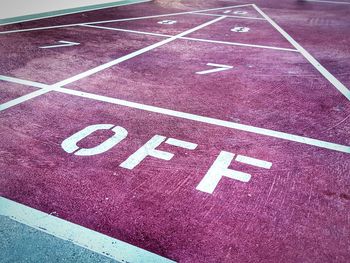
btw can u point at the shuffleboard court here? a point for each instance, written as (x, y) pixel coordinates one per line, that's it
(52, 55)
(190, 131)
(156, 205)
(284, 96)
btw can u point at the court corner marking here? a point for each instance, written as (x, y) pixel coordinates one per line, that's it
(322, 70)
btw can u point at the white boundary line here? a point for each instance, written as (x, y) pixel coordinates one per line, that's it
(78, 235)
(328, 2)
(192, 117)
(74, 12)
(126, 30)
(99, 68)
(118, 20)
(336, 83)
(229, 16)
(190, 38)
(136, 53)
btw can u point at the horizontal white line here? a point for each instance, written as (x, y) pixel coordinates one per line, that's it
(133, 54)
(193, 39)
(328, 2)
(96, 69)
(78, 235)
(253, 161)
(208, 120)
(181, 143)
(229, 16)
(336, 83)
(239, 44)
(126, 30)
(116, 20)
(203, 119)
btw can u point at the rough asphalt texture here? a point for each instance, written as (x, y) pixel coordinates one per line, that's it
(298, 211)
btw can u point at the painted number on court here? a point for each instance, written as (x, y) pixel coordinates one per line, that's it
(208, 183)
(63, 44)
(240, 29)
(167, 22)
(217, 68)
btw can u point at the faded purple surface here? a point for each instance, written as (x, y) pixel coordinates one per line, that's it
(298, 211)
(22, 57)
(10, 91)
(288, 95)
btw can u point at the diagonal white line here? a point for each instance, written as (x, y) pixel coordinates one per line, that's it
(244, 17)
(78, 235)
(24, 98)
(194, 117)
(239, 44)
(336, 83)
(126, 30)
(191, 38)
(37, 93)
(118, 20)
(134, 54)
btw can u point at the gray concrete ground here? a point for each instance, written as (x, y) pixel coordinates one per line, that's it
(22, 244)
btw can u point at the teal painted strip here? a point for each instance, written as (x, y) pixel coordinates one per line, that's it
(18, 19)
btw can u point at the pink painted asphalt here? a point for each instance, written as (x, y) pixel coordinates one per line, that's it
(287, 95)
(260, 33)
(282, 214)
(298, 211)
(26, 60)
(182, 23)
(11, 91)
(246, 11)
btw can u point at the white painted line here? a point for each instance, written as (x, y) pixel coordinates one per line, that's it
(336, 83)
(208, 120)
(191, 38)
(126, 30)
(203, 119)
(134, 54)
(253, 161)
(24, 82)
(329, 2)
(63, 44)
(181, 144)
(239, 44)
(218, 67)
(116, 20)
(78, 235)
(101, 67)
(24, 98)
(75, 12)
(229, 16)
